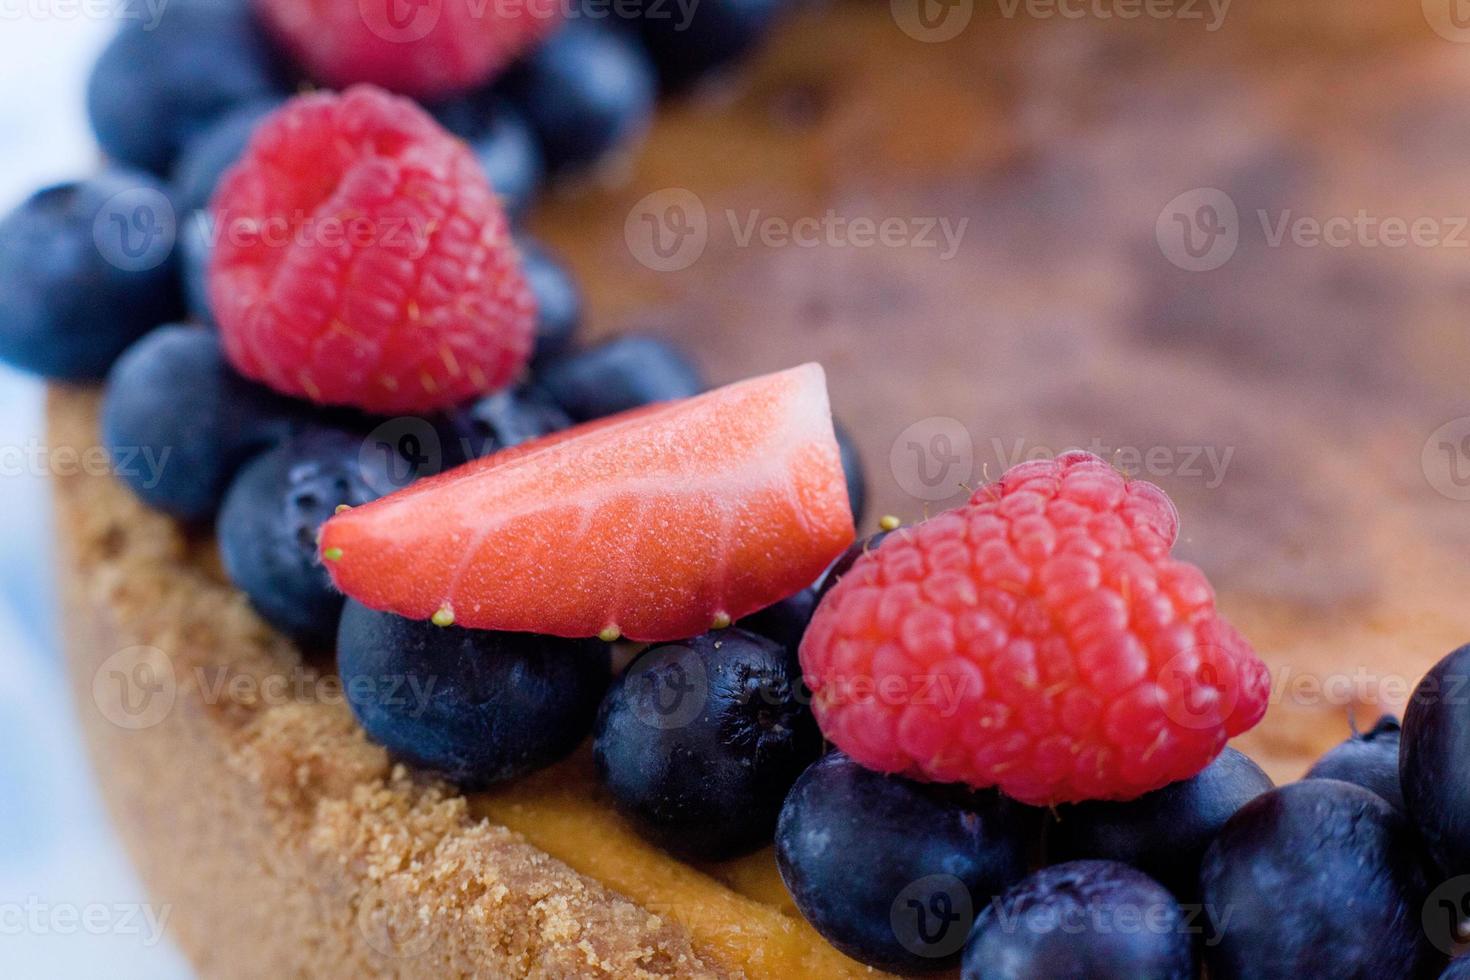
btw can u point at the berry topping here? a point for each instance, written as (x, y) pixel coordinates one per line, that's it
(478, 707)
(699, 741)
(498, 421)
(894, 872)
(620, 374)
(362, 259)
(1435, 745)
(1096, 919)
(784, 621)
(558, 301)
(852, 465)
(1163, 833)
(652, 525)
(420, 49)
(1320, 878)
(1039, 639)
(178, 422)
(1370, 759)
(714, 35)
(86, 268)
(268, 524)
(213, 151)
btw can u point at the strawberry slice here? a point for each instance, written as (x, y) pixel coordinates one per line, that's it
(655, 524)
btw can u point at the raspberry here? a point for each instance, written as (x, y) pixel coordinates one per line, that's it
(424, 48)
(1038, 639)
(362, 259)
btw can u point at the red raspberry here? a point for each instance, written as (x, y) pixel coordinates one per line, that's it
(1039, 639)
(362, 259)
(424, 48)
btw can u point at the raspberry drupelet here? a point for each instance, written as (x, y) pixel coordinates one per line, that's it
(362, 259)
(1039, 639)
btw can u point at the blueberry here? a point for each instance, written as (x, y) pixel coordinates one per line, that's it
(1457, 970)
(711, 35)
(179, 422)
(500, 420)
(1319, 878)
(478, 706)
(893, 872)
(618, 375)
(586, 91)
(852, 469)
(1433, 749)
(1370, 759)
(195, 246)
(88, 268)
(268, 523)
(1163, 833)
(502, 141)
(211, 152)
(699, 741)
(785, 621)
(845, 561)
(558, 300)
(1096, 919)
(158, 84)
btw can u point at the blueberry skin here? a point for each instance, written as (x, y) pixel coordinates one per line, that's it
(714, 35)
(502, 140)
(620, 374)
(558, 300)
(1164, 833)
(207, 156)
(267, 529)
(1319, 878)
(195, 247)
(785, 621)
(1096, 919)
(157, 85)
(1433, 747)
(67, 311)
(1458, 969)
(586, 90)
(852, 469)
(477, 706)
(1370, 759)
(498, 421)
(848, 558)
(852, 844)
(179, 421)
(699, 741)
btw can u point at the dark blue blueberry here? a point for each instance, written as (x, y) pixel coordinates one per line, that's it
(179, 421)
(1370, 759)
(845, 561)
(478, 706)
(268, 524)
(785, 621)
(158, 84)
(502, 141)
(1319, 878)
(1434, 761)
(500, 420)
(88, 268)
(1095, 919)
(558, 300)
(699, 741)
(586, 91)
(1163, 833)
(852, 469)
(207, 156)
(687, 41)
(1457, 970)
(618, 375)
(893, 872)
(195, 246)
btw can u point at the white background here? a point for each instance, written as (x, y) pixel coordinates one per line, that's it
(58, 856)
